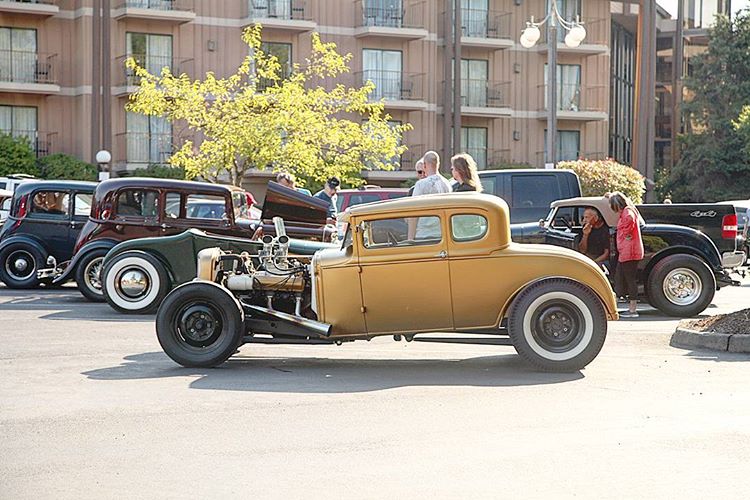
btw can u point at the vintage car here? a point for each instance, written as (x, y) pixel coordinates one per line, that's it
(137, 274)
(681, 269)
(129, 208)
(460, 274)
(44, 222)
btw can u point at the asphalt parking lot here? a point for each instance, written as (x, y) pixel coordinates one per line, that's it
(90, 407)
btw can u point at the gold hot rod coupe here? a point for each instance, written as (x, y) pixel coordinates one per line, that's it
(406, 268)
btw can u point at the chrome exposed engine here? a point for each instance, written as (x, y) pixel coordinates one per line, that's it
(269, 278)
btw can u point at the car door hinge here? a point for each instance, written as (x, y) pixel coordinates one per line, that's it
(363, 309)
(359, 269)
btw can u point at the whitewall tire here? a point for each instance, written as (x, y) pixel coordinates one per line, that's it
(135, 282)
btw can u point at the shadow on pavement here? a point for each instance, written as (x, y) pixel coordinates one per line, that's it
(717, 356)
(330, 375)
(67, 304)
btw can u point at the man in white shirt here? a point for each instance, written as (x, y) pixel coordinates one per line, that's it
(433, 183)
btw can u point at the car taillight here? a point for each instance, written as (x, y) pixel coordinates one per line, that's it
(729, 227)
(22, 207)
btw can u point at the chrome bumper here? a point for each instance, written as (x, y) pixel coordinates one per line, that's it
(732, 259)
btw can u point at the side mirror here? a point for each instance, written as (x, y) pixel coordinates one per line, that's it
(226, 222)
(541, 223)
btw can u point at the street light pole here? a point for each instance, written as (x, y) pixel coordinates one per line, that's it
(551, 93)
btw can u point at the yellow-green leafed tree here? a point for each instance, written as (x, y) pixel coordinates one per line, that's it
(302, 123)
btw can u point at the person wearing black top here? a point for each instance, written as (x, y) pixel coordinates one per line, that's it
(595, 238)
(464, 170)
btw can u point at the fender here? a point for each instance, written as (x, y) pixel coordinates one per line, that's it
(26, 240)
(662, 240)
(118, 250)
(70, 269)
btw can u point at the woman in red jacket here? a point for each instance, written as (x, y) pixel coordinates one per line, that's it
(629, 250)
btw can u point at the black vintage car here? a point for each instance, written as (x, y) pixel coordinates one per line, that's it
(682, 267)
(45, 220)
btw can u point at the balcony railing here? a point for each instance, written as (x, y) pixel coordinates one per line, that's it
(154, 64)
(141, 147)
(38, 2)
(166, 5)
(482, 23)
(264, 83)
(410, 157)
(290, 10)
(596, 32)
(569, 155)
(481, 93)
(41, 143)
(393, 85)
(389, 14)
(27, 67)
(576, 97)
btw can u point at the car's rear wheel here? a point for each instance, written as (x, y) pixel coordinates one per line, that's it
(557, 325)
(135, 282)
(19, 264)
(199, 324)
(681, 286)
(88, 274)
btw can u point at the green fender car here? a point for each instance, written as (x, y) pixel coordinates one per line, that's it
(138, 274)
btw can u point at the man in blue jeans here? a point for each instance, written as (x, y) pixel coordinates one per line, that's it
(328, 194)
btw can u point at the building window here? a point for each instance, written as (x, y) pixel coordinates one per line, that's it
(151, 4)
(383, 68)
(276, 9)
(474, 18)
(570, 10)
(568, 87)
(622, 94)
(387, 13)
(21, 121)
(149, 139)
(474, 142)
(152, 52)
(568, 145)
(474, 82)
(19, 61)
(283, 53)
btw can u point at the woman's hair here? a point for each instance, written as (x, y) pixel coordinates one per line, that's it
(617, 201)
(467, 170)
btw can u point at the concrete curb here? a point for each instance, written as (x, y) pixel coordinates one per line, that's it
(690, 339)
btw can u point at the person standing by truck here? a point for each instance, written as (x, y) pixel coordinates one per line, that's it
(629, 251)
(464, 171)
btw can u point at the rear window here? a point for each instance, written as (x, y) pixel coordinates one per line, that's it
(534, 191)
(359, 199)
(488, 183)
(137, 203)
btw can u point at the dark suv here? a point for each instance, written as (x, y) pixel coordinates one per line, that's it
(129, 208)
(44, 222)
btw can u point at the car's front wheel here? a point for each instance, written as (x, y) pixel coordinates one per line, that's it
(681, 286)
(88, 274)
(19, 264)
(135, 283)
(199, 324)
(557, 325)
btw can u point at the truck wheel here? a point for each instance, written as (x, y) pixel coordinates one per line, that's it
(19, 264)
(199, 325)
(557, 325)
(135, 283)
(681, 286)
(88, 274)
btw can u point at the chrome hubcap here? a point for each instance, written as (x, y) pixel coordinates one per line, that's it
(20, 265)
(133, 283)
(682, 286)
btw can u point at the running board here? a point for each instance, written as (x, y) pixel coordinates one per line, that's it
(465, 340)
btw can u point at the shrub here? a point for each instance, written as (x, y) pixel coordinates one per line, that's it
(16, 156)
(161, 171)
(602, 176)
(62, 166)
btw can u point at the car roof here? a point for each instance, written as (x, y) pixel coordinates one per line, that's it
(27, 187)
(156, 183)
(524, 171)
(430, 201)
(374, 190)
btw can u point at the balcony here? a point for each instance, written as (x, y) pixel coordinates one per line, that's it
(568, 155)
(577, 103)
(43, 8)
(41, 143)
(485, 98)
(126, 81)
(399, 90)
(596, 41)
(171, 11)
(139, 149)
(290, 15)
(401, 19)
(28, 72)
(484, 29)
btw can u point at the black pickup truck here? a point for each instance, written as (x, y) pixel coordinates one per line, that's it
(682, 267)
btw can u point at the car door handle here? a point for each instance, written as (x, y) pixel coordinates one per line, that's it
(73, 225)
(164, 226)
(443, 254)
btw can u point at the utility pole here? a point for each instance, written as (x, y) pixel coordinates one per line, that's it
(448, 77)
(457, 32)
(552, 92)
(96, 71)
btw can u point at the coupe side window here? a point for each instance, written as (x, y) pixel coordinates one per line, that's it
(82, 206)
(50, 204)
(468, 227)
(137, 203)
(172, 205)
(384, 233)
